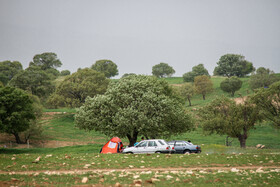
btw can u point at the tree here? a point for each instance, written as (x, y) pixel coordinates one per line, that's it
(203, 85)
(128, 74)
(8, 70)
(268, 99)
(233, 65)
(65, 72)
(162, 70)
(35, 81)
(187, 91)
(35, 129)
(262, 78)
(223, 116)
(46, 61)
(231, 85)
(196, 71)
(16, 111)
(109, 68)
(74, 89)
(135, 105)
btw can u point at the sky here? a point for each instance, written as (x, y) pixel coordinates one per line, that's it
(136, 35)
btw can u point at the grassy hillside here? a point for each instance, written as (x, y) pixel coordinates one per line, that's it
(197, 100)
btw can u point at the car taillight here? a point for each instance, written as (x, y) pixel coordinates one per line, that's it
(197, 148)
(173, 148)
(167, 147)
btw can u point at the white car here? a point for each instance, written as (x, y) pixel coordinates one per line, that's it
(150, 146)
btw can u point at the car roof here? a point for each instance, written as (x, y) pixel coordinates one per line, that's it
(177, 141)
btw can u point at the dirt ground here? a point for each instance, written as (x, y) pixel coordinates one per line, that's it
(83, 171)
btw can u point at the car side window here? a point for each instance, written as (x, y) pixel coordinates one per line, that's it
(142, 144)
(152, 144)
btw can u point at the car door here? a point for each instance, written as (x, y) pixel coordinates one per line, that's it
(141, 147)
(179, 147)
(152, 147)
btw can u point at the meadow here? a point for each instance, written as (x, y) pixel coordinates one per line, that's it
(70, 156)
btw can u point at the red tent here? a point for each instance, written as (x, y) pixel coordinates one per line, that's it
(114, 145)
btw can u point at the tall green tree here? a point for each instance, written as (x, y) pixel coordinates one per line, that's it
(187, 90)
(268, 99)
(262, 78)
(223, 116)
(196, 71)
(203, 85)
(35, 81)
(231, 85)
(8, 70)
(16, 111)
(162, 70)
(46, 61)
(74, 89)
(108, 67)
(135, 105)
(233, 65)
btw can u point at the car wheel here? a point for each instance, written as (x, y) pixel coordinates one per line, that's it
(186, 151)
(158, 152)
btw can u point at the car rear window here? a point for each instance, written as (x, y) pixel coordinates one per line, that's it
(162, 142)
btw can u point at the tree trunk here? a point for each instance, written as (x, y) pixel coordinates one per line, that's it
(18, 140)
(132, 139)
(242, 140)
(232, 94)
(190, 104)
(203, 96)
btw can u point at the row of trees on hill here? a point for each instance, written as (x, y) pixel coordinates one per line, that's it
(132, 106)
(25, 89)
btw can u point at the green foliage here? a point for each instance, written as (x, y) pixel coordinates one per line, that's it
(128, 74)
(8, 70)
(196, 71)
(268, 99)
(74, 89)
(46, 61)
(203, 85)
(35, 129)
(187, 91)
(53, 73)
(65, 72)
(162, 70)
(263, 78)
(231, 85)
(233, 65)
(223, 116)
(135, 105)
(109, 68)
(16, 111)
(35, 81)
